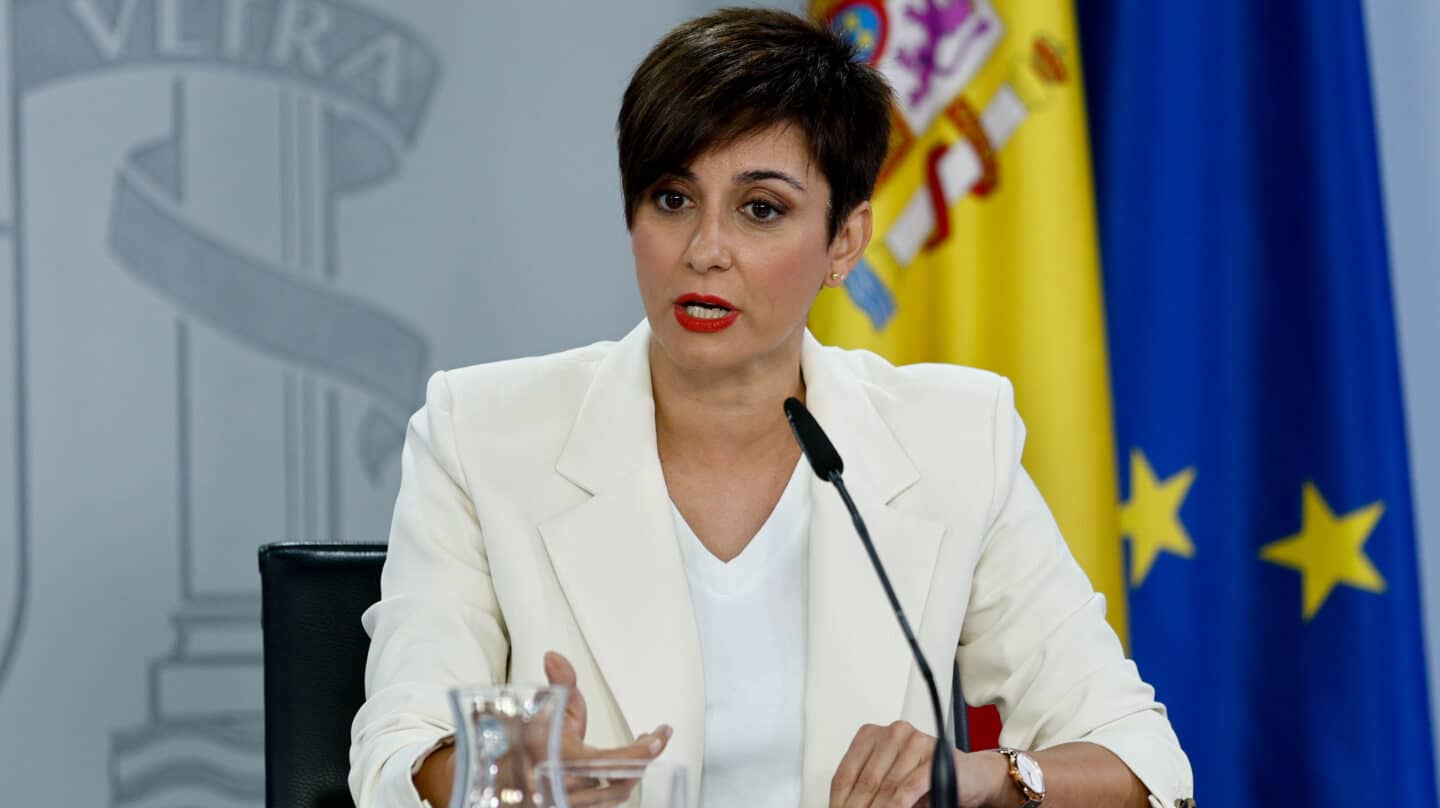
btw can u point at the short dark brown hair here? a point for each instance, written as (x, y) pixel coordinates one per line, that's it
(716, 78)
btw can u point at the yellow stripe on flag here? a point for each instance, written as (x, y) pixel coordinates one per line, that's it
(985, 248)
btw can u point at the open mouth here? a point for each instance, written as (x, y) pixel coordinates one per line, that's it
(705, 313)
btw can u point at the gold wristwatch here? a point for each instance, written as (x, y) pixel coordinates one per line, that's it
(1026, 774)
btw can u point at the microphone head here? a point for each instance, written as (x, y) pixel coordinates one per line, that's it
(813, 442)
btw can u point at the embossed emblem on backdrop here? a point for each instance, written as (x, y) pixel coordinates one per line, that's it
(321, 100)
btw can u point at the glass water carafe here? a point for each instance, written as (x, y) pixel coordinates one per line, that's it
(503, 732)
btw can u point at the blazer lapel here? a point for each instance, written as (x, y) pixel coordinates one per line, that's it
(859, 668)
(617, 559)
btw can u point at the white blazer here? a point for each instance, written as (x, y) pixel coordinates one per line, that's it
(533, 515)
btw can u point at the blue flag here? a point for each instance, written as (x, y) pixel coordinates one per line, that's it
(1267, 517)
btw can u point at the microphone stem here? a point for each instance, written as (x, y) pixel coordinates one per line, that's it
(942, 776)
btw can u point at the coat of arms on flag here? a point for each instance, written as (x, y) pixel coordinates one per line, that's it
(933, 53)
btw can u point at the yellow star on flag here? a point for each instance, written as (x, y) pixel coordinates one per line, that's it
(1328, 550)
(1151, 518)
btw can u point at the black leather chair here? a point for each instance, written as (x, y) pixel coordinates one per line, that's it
(312, 597)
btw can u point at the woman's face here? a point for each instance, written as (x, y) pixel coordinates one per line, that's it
(731, 251)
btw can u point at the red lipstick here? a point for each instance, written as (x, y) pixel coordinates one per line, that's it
(722, 313)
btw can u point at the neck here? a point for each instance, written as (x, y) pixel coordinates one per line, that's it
(726, 415)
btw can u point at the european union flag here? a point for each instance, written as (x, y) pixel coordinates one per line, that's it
(1274, 600)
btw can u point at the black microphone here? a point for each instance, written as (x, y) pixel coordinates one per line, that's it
(828, 466)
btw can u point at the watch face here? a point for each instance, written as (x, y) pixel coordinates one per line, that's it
(1030, 772)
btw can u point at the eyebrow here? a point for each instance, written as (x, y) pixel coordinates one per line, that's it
(754, 175)
(768, 174)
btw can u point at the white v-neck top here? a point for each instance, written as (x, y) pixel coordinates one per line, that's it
(751, 616)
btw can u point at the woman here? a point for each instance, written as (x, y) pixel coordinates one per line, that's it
(634, 519)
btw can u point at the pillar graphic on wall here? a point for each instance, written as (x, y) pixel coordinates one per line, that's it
(283, 380)
(14, 527)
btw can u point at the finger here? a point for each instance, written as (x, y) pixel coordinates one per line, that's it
(559, 671)
(876, 776)
(590, 791)
(915, 752)
(914, 790)
(601, 794)
(843, 783)
(647, 746)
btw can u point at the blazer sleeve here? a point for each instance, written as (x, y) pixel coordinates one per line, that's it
(437, 623)
(1035, 642)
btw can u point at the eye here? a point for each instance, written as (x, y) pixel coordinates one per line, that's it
(762, 211)
(670, 201)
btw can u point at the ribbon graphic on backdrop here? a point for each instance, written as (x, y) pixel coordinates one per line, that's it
(365, 82)
(375, 78)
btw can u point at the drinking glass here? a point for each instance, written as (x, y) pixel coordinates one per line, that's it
(503, 732)
(610, 784)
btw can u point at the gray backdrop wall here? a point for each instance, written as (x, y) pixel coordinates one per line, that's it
(236, 235)
(1405, 74)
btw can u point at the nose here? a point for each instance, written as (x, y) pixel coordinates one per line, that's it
(709, 248)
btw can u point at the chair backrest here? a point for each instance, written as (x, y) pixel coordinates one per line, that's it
(312, 599)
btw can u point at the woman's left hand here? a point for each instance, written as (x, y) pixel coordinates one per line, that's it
(889, 767)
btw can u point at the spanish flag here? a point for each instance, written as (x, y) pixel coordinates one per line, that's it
(985, 249)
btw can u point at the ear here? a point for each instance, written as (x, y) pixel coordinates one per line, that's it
(850, 242)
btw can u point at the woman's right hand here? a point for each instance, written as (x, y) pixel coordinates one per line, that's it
(582, 791)
(572, 744)
(437, 772)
